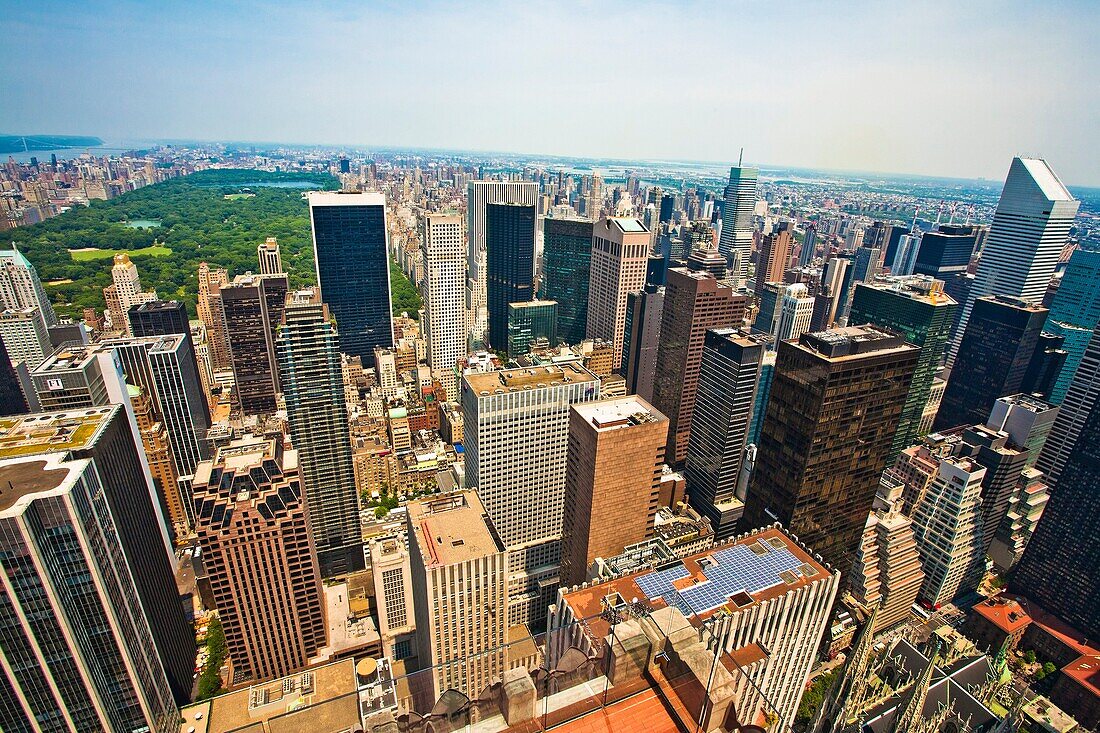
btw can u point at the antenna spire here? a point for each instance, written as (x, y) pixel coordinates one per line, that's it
(741, 156)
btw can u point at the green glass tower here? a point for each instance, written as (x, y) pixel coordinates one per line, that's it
(528, 322)
(1074, 314)
(566, 260)
(915, 307)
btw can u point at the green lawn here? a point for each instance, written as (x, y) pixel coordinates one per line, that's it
(86, 255)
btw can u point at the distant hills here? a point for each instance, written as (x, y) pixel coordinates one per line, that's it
(25, 143)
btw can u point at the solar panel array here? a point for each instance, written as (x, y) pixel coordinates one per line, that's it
(735, 569)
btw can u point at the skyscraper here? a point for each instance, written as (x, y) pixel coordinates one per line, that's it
(769, 302)
(271, 261)
(444, 251)
(460, 583)
(78, 646)
(1059, 569)
(642, 339)
(1074, 314)
(515, 430)
(809, 245)
(530, 322)
(509, 264)
(835, 402)
(130, 516)
(1025, 242)
(946, 252)
(620, 249)
(992, 359)
(12, 399)
(1082, 395)
(728, 376)
(918, 309)
(20, 287)
(795, 312)
(127, 284)
(739, 203)
(252, 309)
(775, 253)
(612, 480)
(479, 194)
(353, 270)
(566, 265)
(25, 336)
(694, 303)
(210, 281)
(309, 363)
(257, 548)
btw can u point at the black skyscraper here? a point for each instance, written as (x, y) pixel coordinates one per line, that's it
(945, 253)
(567, 256)
(12, 400)
(510, 264)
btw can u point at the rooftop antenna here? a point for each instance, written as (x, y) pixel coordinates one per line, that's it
(740, 156)
(969, 213)
(913, 226)
(939, 214)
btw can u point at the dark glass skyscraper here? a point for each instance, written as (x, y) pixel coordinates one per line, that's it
(12, 399)
(993, 358)
(353, 269)
(946, 252)
(510, 264)
(566, 259)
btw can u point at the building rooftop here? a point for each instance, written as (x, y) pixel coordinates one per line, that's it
(452, 529)
(1003, 612)
(914, 287)
(346, 198)
(618, 412)
(1085, 671)
(1046, 179)
(724, 579)
(853, 342)
(70, 356)
(627, 224)
(51, 432)
(512, 380)
(21, 478)
(320, 700)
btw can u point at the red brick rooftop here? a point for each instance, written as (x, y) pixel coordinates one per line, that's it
(1005, 613)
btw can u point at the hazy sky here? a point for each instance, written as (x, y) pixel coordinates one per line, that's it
(942, 88)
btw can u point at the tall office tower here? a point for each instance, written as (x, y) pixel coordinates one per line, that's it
(20, 287)
(728, 376)
(271, 261)
(694, 303)
(612, 480)
(160, 318)
(619, 265)
(443, 250)
(887, 573)
(642, 339)
(835, 402)
(1026, 420)
(26, 337)
(707, 260)
(992, 358)
(253, 528)
(775, 254)
(127, 284)
(737, 228)
(515, 430)
(1003, 461)
(893, 241)
(796, 310)
(529, 322)
(1025, 509)
(946, 252)
(769, 302)
(12, 399)
(948, 529)
(1059, 568)
(479, 194)
(877, 236)
(460, 592)
(1029, 231)
(251, 318)
(1045, 366)
(210, 282)
(777, 601)
(1082, 395)
(353, 268)
(313, 388)
(763, 392)
(78, 647)
(932, 406)
(917, 308)
(105, 437)
(865, 264)
(905, 257)
(809, 245)
(391, 573)
(1074, 314)
(510, 232)
(830, 292)
(154, 440)
(566, 265)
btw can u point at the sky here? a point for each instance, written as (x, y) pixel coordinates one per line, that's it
(943, 88)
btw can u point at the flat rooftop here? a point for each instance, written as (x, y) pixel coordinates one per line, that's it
(346, 198)
(853, 342)
(618, 412)
(52, 432)
(320, 700)
(21, 478)
(730, 578)
(1003, 612)
(921, 288)
(512, 380)
(452, 529)
(67, 357)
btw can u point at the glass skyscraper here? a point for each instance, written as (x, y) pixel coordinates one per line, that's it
(567, 258)
(1074, 314)
(510, 264)
(353, 270)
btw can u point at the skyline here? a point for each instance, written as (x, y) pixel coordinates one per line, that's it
(808, 89)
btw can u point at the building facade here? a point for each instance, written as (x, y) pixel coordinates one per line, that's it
(620, 257)
(566, 266)
(443, 249)
(510, 231)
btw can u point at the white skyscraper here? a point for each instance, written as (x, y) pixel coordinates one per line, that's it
(736, 241)
(271, 262)
(444, 253)
(20, 287)
(124, 275)
(478, 195)
(515, 434)
(1025, 241)
(905, 259)
(795, 313)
